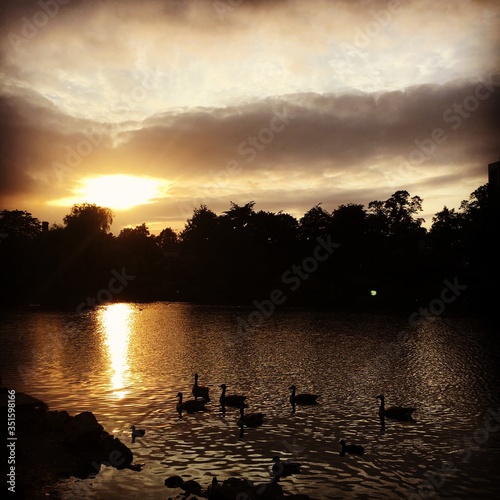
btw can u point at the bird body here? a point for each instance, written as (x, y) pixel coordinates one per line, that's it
(283, 469)
(251, 419)
(136, 433)
(302, 399)
(189, 406)
(395, 412)
(352, 449)
(200, 391)
(235, 400)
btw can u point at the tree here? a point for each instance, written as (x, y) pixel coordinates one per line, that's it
(19, 224)
(201, 227)
(89, 219)
(167, 240)
(238, 217)
(395, 216)
(316, 222)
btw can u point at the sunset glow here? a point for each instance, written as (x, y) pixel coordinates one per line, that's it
(120, 192)
(288, 103)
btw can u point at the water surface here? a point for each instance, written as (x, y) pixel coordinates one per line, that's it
(126, 363)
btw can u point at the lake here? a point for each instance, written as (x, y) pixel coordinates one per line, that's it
(126, 362)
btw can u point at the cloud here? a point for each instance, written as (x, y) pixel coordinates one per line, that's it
(295, 150)
(113, 61)
(286, 102)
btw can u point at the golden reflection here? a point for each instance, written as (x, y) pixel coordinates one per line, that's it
(116, 322)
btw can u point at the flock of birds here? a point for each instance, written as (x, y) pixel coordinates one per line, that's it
(279, 468)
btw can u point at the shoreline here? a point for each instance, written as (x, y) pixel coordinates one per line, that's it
(50, 446)
(46, 447)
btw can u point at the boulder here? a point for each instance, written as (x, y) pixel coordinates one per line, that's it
(174, 482)
(83, 431)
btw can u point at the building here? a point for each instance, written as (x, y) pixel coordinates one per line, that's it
(494, 184)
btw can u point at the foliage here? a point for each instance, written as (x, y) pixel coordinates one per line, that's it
(242, 255)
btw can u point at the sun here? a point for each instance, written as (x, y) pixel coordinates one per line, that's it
(120, 192)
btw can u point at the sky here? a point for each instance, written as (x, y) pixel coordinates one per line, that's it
(154, 108)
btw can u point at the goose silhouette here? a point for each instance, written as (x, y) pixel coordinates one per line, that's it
(136, 433)
(302, 399)
(250, 419)
(189, 406)
(283, 469)
(394, 412)
(200, 391)
(234, 400)
(352, 449)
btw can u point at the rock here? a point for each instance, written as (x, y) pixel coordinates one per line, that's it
(174, 482)
(83, 430)
(192, 486)
(113, 452)
(57, 420)
(53, 445)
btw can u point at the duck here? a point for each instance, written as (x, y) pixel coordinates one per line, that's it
(235, 400)
(395, 412)
(302, 399)
(200, 391)
(352, 449)
(284, 469)
(189, 406)
(136, 433)
(250, 420)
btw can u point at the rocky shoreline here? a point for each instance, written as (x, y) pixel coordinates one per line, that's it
(51, 446)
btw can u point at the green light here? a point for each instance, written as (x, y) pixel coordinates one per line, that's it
(373, 293)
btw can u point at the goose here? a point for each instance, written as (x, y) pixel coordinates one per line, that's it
(212, 489)
(396, 412)
(200, 391)
(302, 399)
(250, 420)
(190, 406)
(137, 433)
(353, 449)
(235, 400)
(283, 469)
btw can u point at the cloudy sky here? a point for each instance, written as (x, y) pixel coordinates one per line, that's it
(155, 107)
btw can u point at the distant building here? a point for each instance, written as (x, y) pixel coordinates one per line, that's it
(494, 183)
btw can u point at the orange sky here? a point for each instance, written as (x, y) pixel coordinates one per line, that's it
(153, 108)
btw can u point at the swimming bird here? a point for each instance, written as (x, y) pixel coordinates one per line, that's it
(395, 412)
(250, 420)
(189, 406)
(302, 399)
(352, 449)
(200, 391)
(284, 469)
(137, 433)
(235, 400)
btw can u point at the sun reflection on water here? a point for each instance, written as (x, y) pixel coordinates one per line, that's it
(116, 323)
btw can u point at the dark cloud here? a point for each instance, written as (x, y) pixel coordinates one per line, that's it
(293, 151)
(340, 130)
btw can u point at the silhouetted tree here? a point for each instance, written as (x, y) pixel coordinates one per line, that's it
(19, 224)
(167, 241)
(316, 222)
(395, 216)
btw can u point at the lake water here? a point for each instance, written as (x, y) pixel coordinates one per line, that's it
(126, 362)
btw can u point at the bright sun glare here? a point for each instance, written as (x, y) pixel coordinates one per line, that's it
(116, 191)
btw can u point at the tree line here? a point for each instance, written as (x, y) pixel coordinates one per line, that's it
(383, 256)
